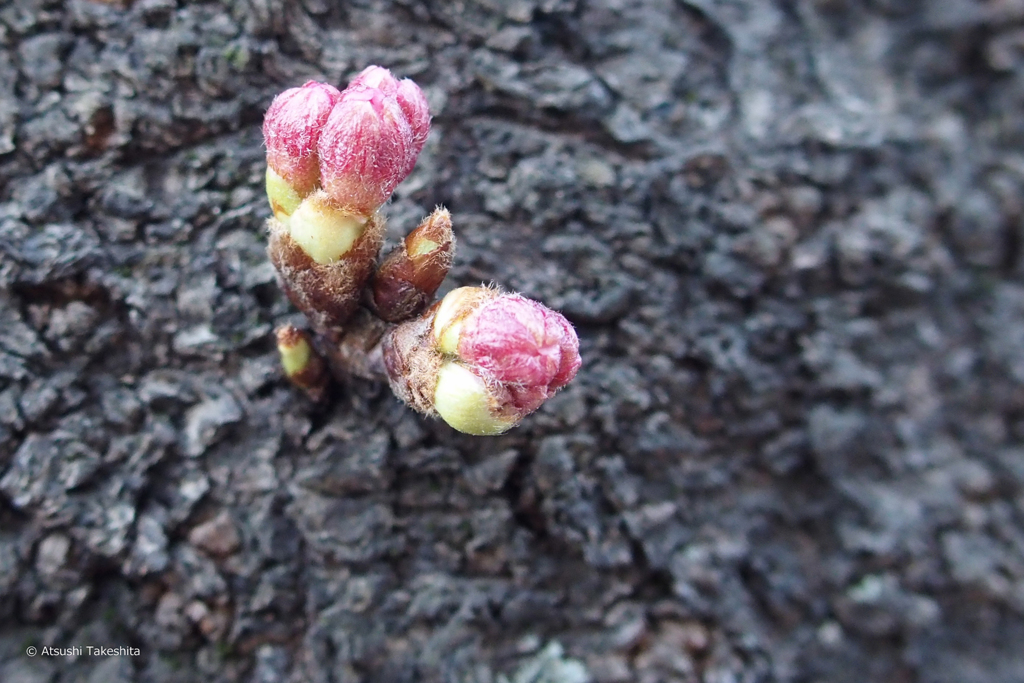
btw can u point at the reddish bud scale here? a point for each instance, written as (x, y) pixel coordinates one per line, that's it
(412, 363)
(405, 283)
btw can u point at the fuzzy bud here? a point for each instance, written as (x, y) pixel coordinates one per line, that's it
(378, 77)
(302, 365)
(482, 360)
(406, 281)
(367, 147)
(334, 158)
(417, 113)
(521, 344)
(324, 256)
(358, 144)
(410, 99)
(291, 129)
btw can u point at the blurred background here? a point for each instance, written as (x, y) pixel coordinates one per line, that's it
(789, 234)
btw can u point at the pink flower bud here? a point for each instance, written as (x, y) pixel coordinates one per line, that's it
(291, 130)
(376, 77)
(481, 360)
(410, 99)
(364, 149)
(417, 112)
(531, 349)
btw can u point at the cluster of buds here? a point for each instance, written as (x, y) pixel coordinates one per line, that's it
(479, 359)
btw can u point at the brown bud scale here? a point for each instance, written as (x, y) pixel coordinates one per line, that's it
(412, 362)
(327, 293)
(405, 283)
(313, 377)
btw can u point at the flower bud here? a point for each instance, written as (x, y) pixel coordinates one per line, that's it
(417, 113)
(521, 343)
(302, 365)
(376, 77)
(482, 360)
(406, 281)
(410, 99)
(364, 149)
(291, 130)
(357, 144)
(333, 159)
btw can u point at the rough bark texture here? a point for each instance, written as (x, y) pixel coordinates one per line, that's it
(789, 233)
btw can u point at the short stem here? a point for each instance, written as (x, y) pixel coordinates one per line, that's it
(358, 351)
